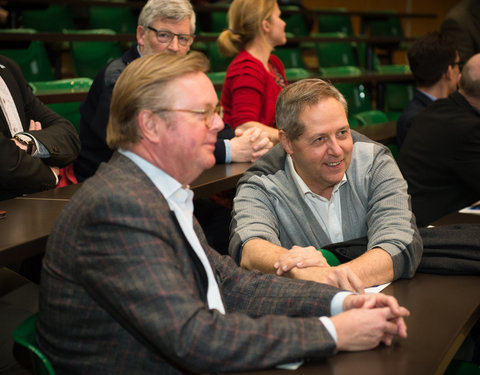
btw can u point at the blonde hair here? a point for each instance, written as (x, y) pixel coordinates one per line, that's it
(294, 98)
(144, 84)
(245, 19)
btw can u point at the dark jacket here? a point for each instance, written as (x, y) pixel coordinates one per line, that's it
(21, 173)
(95, 111)
(419, 102)
(440, 158)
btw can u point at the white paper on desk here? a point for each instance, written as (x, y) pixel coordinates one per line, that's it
(290, 366)
(377, 288)
(473, 209)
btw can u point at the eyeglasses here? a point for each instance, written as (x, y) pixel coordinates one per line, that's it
(164, 36)
(208, 114)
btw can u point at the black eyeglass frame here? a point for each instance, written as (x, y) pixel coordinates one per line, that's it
(185, 40)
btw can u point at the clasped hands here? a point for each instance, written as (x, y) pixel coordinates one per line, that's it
(368, 320)
(248, 145)
(308, 263)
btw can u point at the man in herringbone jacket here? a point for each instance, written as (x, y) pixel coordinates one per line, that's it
(129, 284)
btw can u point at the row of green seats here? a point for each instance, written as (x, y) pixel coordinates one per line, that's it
(57, 17)
(69, 110)
(87, 57)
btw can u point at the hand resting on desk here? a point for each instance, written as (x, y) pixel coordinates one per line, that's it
(368, 320)
(308, 263)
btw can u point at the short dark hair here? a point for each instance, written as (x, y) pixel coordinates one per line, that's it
(430, 56)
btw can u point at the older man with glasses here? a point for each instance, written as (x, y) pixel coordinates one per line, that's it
(163, 26)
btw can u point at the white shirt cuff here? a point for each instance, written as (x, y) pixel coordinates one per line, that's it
(228, 151)
(330, 327)
(336, 306)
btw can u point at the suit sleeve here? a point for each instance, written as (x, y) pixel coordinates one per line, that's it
(58, 135)
(226, 133)
(19, 171)
(134, 267)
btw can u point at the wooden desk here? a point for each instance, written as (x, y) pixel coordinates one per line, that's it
(30, 219)
(437, 327)
(219, 178)
(385, 133)
(25, 229)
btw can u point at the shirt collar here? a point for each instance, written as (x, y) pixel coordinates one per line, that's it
(302, 186)
(427, 95)
(168, 186)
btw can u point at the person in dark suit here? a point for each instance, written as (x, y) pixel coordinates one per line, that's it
(435, 65)
(129, 284)
(163, 25)
(463, 25)
(440, 158)
(34, 141)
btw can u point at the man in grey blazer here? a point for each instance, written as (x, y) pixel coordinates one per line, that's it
(129, 284)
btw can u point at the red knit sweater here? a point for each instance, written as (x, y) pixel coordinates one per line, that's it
(250, 91)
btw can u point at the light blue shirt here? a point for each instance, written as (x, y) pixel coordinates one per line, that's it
(180, 201)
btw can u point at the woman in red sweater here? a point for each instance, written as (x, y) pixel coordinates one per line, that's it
(255, 77)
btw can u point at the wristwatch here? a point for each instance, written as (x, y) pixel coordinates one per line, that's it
(25, 140)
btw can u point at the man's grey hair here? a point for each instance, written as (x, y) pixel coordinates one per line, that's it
(470, 78)
(294, 98)
(175, 10)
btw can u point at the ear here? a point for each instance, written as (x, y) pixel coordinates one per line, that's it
(149, 125)
(266, 26)
(285, 141)
(141, 36)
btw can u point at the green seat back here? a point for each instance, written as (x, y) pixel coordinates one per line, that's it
(397, 96)
(336, 71)
(33, 61)
(296, 22)
(291, 57)
(389, 25)
(371, 117)
(216, 77)
(340, 22)
(295, 74)
(24, 335)
(90, 57)
(357, 97)
(54, 18)
(219, 21)
(121, 20)
(218, 62)
(69, 110)
(332, 54)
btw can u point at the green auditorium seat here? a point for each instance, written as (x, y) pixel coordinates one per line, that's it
(373, 116)
(291, 57)
(296, 22)
(121, 20)
(396, 97)
(69, 110)
(335, 54)
(338, 22)
(24, 335)
(54, 18)
(33, 60)
(89, 57)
